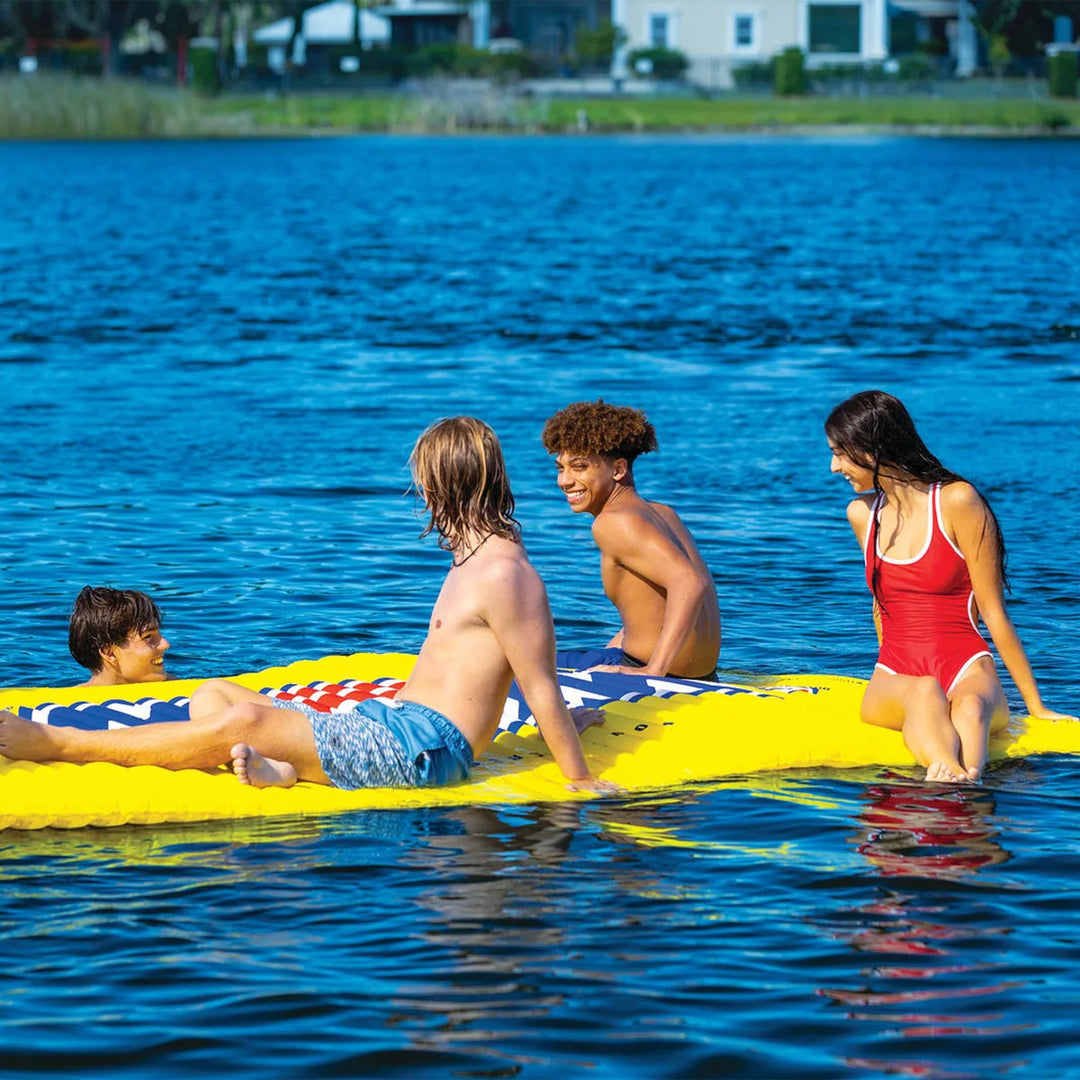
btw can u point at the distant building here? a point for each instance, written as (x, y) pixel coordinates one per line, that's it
(323, 26)
(718, 36)
(547, 27)
(417, 23)
(941, 28)
(544, 27)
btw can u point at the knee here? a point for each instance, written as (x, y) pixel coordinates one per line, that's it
(969, 710)
(208, 691)
(237, 723)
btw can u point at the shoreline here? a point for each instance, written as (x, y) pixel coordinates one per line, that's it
(765, 131)
(71, 109)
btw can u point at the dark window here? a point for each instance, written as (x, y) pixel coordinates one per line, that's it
(744, 30)
(835, 28)
(658, 31)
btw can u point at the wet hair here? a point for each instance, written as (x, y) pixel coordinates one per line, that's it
(595, 427)
(458, 467)
(875, 431)
(103, 617)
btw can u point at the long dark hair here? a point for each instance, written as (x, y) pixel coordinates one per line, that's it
(874, 430)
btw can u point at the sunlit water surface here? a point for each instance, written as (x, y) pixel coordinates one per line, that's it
(214, 359)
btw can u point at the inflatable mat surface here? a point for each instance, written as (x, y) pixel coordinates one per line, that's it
(658, 733)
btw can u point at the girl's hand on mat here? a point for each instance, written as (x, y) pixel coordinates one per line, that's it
(595, 785)
(585, 717)
(1049, 714)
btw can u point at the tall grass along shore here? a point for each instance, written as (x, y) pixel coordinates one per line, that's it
(88, 108)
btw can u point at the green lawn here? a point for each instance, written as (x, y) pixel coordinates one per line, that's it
(659, 114)
(56, 107)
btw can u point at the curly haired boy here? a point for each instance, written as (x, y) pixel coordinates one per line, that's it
(651, 569)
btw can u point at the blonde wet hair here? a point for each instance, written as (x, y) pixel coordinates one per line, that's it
(458, 467)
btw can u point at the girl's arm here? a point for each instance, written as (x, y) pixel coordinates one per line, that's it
(966, 517)
(858, 515)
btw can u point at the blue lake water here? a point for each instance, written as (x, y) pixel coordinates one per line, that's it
(214, 359)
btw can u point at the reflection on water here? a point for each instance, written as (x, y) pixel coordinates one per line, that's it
(923, 834)
(926, 830)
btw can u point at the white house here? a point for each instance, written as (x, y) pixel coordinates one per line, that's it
(332, 23)
(719, 35)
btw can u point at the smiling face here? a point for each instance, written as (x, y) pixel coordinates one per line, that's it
(140, 659)
(588, 480)
(858, 476)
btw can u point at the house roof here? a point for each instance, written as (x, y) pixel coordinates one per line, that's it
(928, 9)
(327, 24)
(420, 8)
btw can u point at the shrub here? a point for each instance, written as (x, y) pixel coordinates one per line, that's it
(204, 71)
(666, 63)
(790, 72)
(916, 68)
(596, 48)
(1061, 73)
(750, 75)
(448, 58)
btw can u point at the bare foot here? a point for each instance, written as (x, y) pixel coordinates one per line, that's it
(23, 740)
(258, 771)
(584, 717)
(974, 774)
(939, 772)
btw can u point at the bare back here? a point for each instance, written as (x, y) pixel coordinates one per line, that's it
(638, 585)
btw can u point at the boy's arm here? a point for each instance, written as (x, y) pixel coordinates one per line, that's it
(518, 613)
(645, 551)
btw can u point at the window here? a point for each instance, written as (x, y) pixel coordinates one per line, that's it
(659, 31)
(744, 31)
(835, 28)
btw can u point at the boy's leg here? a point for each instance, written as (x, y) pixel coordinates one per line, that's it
(282, 734)
(215, 695)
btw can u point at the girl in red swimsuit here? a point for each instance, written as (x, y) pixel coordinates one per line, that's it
(935, 562)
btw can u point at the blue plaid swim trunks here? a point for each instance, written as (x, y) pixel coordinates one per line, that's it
(382, 742)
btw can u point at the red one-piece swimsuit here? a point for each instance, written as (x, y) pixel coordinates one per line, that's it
(927, 605)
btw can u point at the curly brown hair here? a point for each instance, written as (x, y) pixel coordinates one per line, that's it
(458, 467)
(595, 427)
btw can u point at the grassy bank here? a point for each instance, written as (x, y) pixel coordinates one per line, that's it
(94, 109)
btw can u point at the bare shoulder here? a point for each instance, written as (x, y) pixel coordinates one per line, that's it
(618, 527)
(859, 510)
(505, 571)
(961, 499)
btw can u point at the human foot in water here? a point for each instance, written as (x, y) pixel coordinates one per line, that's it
(940, 772)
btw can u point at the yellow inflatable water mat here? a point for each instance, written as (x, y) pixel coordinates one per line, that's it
(669, 733)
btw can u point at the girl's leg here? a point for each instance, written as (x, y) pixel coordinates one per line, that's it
(978, 709)
(917, 706)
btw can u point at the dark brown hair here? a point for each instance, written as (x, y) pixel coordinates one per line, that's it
(595, 427)
(458, 467)
(876, 432)
(103, 617)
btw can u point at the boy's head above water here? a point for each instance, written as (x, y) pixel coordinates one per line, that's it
(116, 635)
(595, 446)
